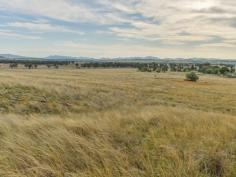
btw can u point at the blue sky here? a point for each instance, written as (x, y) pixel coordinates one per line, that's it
(112, 28)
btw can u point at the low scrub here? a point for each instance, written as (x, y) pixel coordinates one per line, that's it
(192, 76)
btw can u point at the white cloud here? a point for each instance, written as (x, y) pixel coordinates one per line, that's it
(203, 20)
(119, 49)
(12, 34)
(114, 50)
(177, 23)
(66, 10)
(41, 27)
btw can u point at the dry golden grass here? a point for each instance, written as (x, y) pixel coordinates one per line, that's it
(115, 122)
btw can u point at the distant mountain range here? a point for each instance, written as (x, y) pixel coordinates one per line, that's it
(10, 56)
(146, 59)
(61, 57)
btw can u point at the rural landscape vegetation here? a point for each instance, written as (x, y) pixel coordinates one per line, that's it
(117, 88)
(117, 119)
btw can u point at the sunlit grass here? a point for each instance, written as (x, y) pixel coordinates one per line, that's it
(103, 123)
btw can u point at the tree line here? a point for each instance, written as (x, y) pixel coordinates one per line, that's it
(206, 68)
(78, 65)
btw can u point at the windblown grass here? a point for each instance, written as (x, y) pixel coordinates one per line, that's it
(103, 123)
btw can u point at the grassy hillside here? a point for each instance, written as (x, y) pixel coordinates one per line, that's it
(115, 122)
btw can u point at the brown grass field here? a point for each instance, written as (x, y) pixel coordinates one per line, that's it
(115, 123)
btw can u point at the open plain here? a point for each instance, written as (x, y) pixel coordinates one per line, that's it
(115, 122)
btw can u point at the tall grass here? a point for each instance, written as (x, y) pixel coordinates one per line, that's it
(103, 123)
(154, 141)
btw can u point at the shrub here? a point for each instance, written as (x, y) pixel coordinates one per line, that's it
(13, 65)
(145, 69)
(224, 70)
(192, 76)
(230, 75)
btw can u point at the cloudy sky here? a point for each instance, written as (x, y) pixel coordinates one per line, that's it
(112, 28)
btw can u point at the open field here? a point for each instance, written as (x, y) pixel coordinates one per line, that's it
(115, 122)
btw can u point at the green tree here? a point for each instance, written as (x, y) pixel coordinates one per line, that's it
(224, 70)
